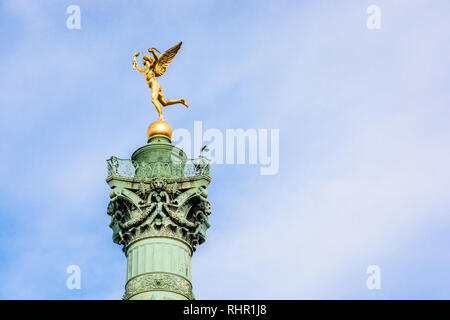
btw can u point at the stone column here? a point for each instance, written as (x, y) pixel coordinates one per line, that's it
(159, 268)
(159, 214)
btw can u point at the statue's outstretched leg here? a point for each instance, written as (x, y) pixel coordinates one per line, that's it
(169, 102)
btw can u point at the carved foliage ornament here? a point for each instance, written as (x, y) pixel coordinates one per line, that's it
(159, 208)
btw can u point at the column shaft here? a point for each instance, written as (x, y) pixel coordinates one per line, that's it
(159, 268)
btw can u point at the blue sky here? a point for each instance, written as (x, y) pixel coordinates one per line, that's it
(363, 115)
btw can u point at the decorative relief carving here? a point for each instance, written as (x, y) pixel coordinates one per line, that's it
(158, 282)
(158, 207)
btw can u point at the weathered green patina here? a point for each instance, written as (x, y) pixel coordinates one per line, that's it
(159, 213)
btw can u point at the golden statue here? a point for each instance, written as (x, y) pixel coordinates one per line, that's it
(155, 67)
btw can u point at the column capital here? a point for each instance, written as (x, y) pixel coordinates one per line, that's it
(159, 207)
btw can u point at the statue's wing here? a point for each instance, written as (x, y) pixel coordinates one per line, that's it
(165, 59)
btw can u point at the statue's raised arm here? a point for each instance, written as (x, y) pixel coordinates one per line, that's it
(152, 51)
(136, 65)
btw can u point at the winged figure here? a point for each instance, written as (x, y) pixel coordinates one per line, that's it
(155, 67)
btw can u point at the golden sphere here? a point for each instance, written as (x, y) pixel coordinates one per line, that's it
(159, 127)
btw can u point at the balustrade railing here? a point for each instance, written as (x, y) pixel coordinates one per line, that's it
(132, 169)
